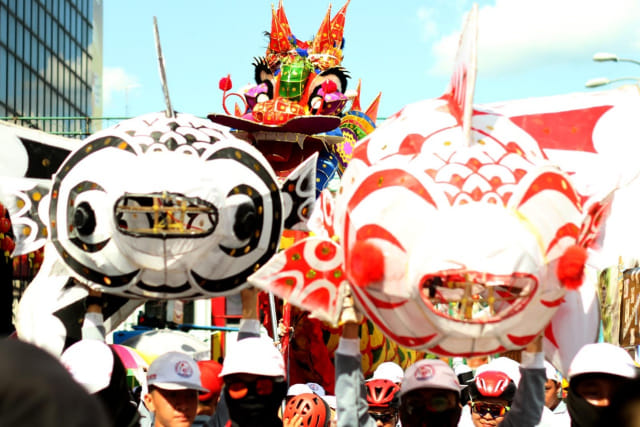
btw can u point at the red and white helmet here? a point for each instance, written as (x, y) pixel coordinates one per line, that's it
(382, 393)
(492, 384)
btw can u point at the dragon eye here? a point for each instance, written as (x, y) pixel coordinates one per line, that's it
(84, 219)
(246, 221)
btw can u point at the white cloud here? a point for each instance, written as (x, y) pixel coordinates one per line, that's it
(116, 80)
(515, 34)
(427, 18)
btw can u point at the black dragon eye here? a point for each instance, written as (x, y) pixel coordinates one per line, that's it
(246, 221)
(84, 219)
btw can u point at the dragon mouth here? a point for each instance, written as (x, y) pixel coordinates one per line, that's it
(165, 215)
(477, 297)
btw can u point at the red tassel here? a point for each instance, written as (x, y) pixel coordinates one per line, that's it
(570, 269)
(225, 83)
(367, 263)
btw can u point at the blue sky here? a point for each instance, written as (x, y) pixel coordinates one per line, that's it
(403, 49)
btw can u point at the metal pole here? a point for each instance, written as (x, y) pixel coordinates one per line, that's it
(163, 75)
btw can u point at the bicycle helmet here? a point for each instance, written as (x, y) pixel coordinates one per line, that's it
(382, 393)
(492, 384)
(314, 410)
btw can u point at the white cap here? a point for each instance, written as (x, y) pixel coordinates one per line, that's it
(389, 371)
(256, 356)
(552, 372)
(331, 401)
(602, 358)
(175, 371)
(90, 363)
(317, 389)
(297, 389)
(505, 365)
(429, 373)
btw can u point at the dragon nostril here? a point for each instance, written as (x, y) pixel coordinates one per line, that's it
(246, 221)
(84, 219)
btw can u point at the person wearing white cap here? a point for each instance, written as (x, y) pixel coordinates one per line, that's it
(553, 391)
(254, 376)
(596, 373)
(253, 373)
(389, 371)
(174, 382)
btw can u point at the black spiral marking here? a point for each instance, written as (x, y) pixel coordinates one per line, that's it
(82, 270)
(247, 160)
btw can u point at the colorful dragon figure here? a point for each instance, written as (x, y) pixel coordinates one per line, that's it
(155, 207)
(297, 78)
(453, 230)
(298, 105)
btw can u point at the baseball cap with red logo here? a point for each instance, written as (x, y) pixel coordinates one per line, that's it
(429, 373)
(175, 371)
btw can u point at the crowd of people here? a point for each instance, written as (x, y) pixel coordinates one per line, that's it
(87, 386)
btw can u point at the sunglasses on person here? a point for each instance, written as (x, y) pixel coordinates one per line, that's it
(239, 389)
(493, 409)
(383, 417)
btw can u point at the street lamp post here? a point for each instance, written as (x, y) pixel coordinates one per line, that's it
(605, 57)
(602, 81)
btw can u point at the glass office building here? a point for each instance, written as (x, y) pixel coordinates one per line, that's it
(51, 62)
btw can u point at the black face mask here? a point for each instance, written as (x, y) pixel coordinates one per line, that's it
(254, 410)
(584, 414)
(447, 418)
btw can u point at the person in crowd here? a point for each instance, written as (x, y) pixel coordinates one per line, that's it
(384, 400)
(389, 371)
(173, 380)
(553, 390)
(254, 382)
(253, 374)
(207, 402)
(430, 391)
(98, 368)
(307, 410)
(596, 373)
(36, 390)
(430, 395)
(491, 395)
(556, 413)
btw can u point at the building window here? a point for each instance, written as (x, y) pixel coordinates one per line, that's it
(4, 25)
(3, 72)
(12, 33)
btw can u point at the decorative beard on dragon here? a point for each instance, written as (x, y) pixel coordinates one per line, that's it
(156, 207)
(453, 231)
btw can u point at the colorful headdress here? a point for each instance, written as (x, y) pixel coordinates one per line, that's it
(280, 37)
(326, 48)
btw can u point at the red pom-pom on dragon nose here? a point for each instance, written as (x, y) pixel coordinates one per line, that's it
(570, 268)
(367, 263)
